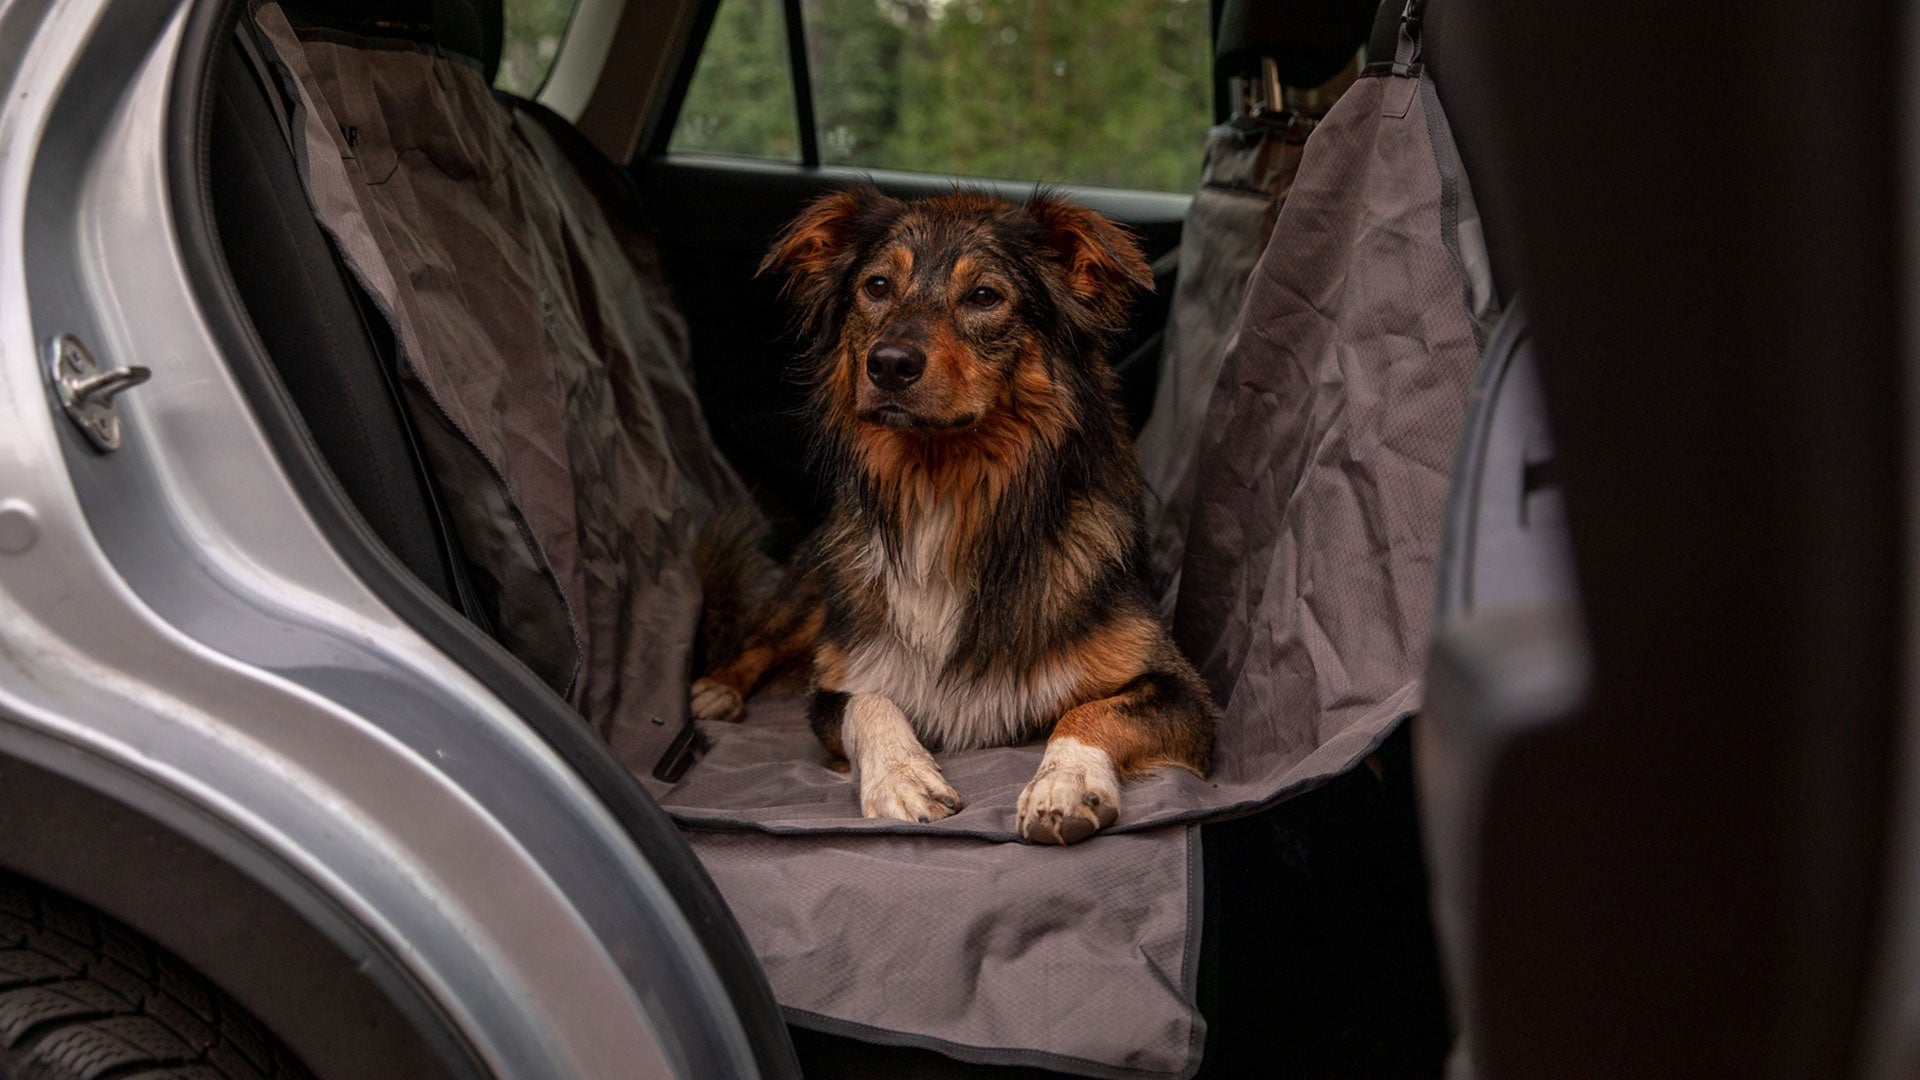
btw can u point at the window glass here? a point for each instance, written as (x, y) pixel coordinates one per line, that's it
(741, 97)
(1113, 92)
(529, 42)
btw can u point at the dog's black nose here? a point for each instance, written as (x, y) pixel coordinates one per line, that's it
(895, 367)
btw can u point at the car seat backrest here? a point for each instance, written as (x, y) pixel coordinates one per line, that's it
(538, 352)
(1321, 474)
(335, 364)
(334, 354)
(1250, 163)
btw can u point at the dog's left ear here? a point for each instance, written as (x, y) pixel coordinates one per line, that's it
(1101, 261)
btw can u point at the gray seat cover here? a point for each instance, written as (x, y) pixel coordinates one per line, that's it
(1079, 959)
(1307, 592)
(542, 359)
(554, 380)
(1250, 166)
(1318, 485)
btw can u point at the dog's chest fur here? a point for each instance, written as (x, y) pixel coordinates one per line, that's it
(910, 659)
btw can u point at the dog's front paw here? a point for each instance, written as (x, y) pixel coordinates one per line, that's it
(911, 790)
(710, 699)
(1075, 794)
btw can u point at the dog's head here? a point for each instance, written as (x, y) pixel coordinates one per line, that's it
(941, 314)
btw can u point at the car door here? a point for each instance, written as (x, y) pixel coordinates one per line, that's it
(1108, 100)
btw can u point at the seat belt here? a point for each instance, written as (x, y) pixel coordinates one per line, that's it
(450, 549)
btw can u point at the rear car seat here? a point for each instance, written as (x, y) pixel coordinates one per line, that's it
(284, 243)
(335, 354)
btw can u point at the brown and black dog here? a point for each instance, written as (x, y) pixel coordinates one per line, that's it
(979, 580)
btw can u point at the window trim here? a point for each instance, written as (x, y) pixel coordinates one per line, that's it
(580, 57)
(688, 62)
(1222, 97)
(801, 69)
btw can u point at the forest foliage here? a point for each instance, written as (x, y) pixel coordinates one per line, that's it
(531, 40)
(1109, 92)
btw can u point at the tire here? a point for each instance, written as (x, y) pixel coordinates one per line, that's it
(84, 998)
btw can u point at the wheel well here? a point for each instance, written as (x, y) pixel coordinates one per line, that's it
(60, 828)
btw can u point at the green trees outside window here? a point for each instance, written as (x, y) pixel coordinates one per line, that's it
(530, 41)
(1106, 92)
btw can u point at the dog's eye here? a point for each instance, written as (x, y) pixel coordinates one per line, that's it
(878, 288)
(983, 297)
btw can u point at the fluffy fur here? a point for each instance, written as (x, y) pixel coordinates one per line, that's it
(979, 580)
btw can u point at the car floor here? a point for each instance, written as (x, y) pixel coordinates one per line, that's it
(1359, 997)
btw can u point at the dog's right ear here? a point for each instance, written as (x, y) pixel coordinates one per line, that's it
(811, 242)
(814, 251)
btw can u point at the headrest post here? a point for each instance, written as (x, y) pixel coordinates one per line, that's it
(1276, 94)
(1254, 97)
(1309, 41)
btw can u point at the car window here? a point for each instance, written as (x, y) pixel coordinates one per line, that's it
(529, 41)
(1107, 92)
(741, 97)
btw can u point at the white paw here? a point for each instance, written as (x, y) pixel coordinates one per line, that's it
(898, 778)
(910, 789)
(1075, 794)
(711, 700)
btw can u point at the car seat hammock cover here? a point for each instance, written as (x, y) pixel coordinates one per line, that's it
(540, 356)
(1317, 482)
(543, 360)
(1320, 443)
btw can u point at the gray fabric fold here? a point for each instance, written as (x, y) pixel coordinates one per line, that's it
(1250, 167)
(546, 369)
(1307, 589)
(1080, 959)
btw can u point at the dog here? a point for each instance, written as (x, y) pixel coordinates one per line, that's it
(980, 578)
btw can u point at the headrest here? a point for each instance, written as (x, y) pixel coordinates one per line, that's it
(469, 28)
(1310, 40)
(1386, 31)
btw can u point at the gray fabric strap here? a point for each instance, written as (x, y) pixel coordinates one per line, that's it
(1407, 51)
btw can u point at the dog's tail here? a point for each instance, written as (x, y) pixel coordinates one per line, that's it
(737, 579)
(758, 620)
